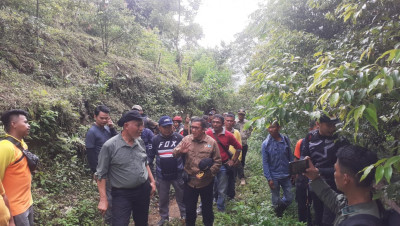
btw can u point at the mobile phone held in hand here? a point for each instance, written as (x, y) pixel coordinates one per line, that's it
(298, 167)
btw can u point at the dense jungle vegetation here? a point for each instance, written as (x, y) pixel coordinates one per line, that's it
(59, 59)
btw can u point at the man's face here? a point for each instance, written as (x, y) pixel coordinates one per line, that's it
(274, 130)
(166, 130)
(229, 123)
(197, 130)
(339, 177)
(216, 124)
(176, 124)
(241, 117)
(210, 118)
(20, 125)
(327, 128)
(102, 119)
(134, 128)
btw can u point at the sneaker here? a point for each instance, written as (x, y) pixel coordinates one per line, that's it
(162, 221)
(198, 211)
(242, 181)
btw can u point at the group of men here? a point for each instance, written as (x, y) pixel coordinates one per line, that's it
(200, 158)
(196, 157)
(331, 182)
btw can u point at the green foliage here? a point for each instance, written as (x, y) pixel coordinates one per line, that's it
(351, 71)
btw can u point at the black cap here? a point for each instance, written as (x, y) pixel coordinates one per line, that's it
(327, 119)
(129, 116)
(205, 164)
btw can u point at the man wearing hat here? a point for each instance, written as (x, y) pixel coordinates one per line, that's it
(322, 145)
(244, 134)
(123, 161)
(148, 123)
(169, 169)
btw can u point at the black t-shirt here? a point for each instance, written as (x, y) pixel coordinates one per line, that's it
(322, 151)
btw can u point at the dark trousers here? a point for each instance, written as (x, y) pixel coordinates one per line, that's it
(127, 202)
(244, 153)
(190, 198)
(231, 183)
(303, 198)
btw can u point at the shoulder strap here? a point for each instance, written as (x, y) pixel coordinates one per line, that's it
(288, 144)
(223, 146)
(19, 146)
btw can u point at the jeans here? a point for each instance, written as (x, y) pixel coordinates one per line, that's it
(190, 198)
(287, 193)
(25, 218)
(222, 187)
(163, 187)
(127, 202)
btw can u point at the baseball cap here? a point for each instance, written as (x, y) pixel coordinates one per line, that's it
(329, 119)
(137, 107)
(242, 111)
(177, 118)
(129, 116)
(205, 163)
(165, 121)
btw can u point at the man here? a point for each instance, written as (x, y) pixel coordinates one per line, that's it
(169, 169)
(244, 134)
(148, 123)
(303, 196)
(14, 171)
(178, 127)
(224, 140)
(5, 212)
(322, 146)
(276, 155)
(238, 169)
(102, 130)
(355, 206)
(123, 161)
(194, 148)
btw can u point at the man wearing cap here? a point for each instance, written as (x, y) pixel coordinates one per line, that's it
(194, 148)
(169, 169)
(244, 134)
(123, 160)
(322, 145)
(148, 123)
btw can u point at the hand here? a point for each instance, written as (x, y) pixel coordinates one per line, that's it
(187, 119)
(311, 172)
(110, 123)
(11, 223)
(185, 148)
(271, 184)
(230, 163)
(103, 205)
(153, 188)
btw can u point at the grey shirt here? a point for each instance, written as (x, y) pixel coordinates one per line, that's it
(122, 164)
(337, 203)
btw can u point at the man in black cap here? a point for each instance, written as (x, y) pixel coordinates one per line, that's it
(322, 146)
(123, 160)
(169, 169)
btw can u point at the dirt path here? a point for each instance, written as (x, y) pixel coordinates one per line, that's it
(154, 215)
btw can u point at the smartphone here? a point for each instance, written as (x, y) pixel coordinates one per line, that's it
(298, 167)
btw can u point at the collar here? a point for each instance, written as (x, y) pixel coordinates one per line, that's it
(223, 131)
(8, 135)
(200, 141)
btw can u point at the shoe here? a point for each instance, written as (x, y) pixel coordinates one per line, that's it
(198, 211)
(162, 221)
(242, 181)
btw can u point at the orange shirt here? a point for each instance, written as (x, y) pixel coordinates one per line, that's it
(4, 212)
(16, 178)
(297, 149)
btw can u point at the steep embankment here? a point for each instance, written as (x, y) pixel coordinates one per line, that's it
(59, 80)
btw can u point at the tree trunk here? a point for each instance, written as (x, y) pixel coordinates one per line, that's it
(178, 52)
(189, 77)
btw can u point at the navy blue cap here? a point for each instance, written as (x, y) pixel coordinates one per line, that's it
(165, 121)
(327, 119)
(206, 164)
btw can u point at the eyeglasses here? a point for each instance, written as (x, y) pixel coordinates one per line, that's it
(196, 127)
